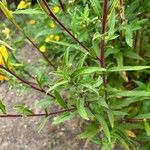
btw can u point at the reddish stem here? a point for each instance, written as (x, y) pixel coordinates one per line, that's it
(26, 82)
(51, 14)
(36, 115)
(61, 5)
(103, 45)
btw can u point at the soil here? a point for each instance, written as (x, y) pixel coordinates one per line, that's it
(21, 133)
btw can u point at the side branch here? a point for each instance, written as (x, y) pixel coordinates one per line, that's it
(51, 14)
(23, 32)
(36, 115)
(26, 82)
(61, 5)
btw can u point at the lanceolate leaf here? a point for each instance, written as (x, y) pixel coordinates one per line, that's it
(64, 117)
(91, 88)
(24, 110)
(86, 70)
(57, 85)
(42, 124)
(147, 127)
(2, 107)
(81, 109)
(45, 103)
(28, 12)
(68, 45)
(133, 93)
(111, 118)
(128, 68)
(128, 101)
(90, 132)
(60, 100)
(122, 142)
(104, 126)
(129, 35)
(143, 116)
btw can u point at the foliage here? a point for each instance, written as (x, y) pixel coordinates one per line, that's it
(80, 63)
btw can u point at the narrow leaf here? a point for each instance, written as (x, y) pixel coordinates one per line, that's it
(147, 127)
(62, 118)
(60, 100)
(22, 109)
(128, 68)
(86, 70)
(81, 109)
(104, 126)
(2, 107)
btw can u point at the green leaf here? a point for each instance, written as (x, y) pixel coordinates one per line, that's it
(97, 35)
(62, 118)
(22, 109)
(57, 85)
(102, 102)
(128, 101)
(2, 107)
(133, 93)
(81, 61)
(127, 68)
(69, 45)
(129, 35)
(81, 109)
(42, 124)
(91, 88)
(96, 7)
(111, 23)
(90, 132)
(86, 70)
(28, 12)
(45, 103)
(122, 142)
(74, 22)
(147, 127)
(104, 126)
(66, 58)
(131, 54)
(143, 116)
(60, 100)
(111, 118)
(45, 32)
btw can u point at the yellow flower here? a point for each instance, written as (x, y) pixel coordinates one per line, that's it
(43, 48)
(57, 38)
(56, 9)
(3, 55)
(52, 25)
(2, 78)
(6, 31)
(49, 38)
(32, 22)
(22, 5)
